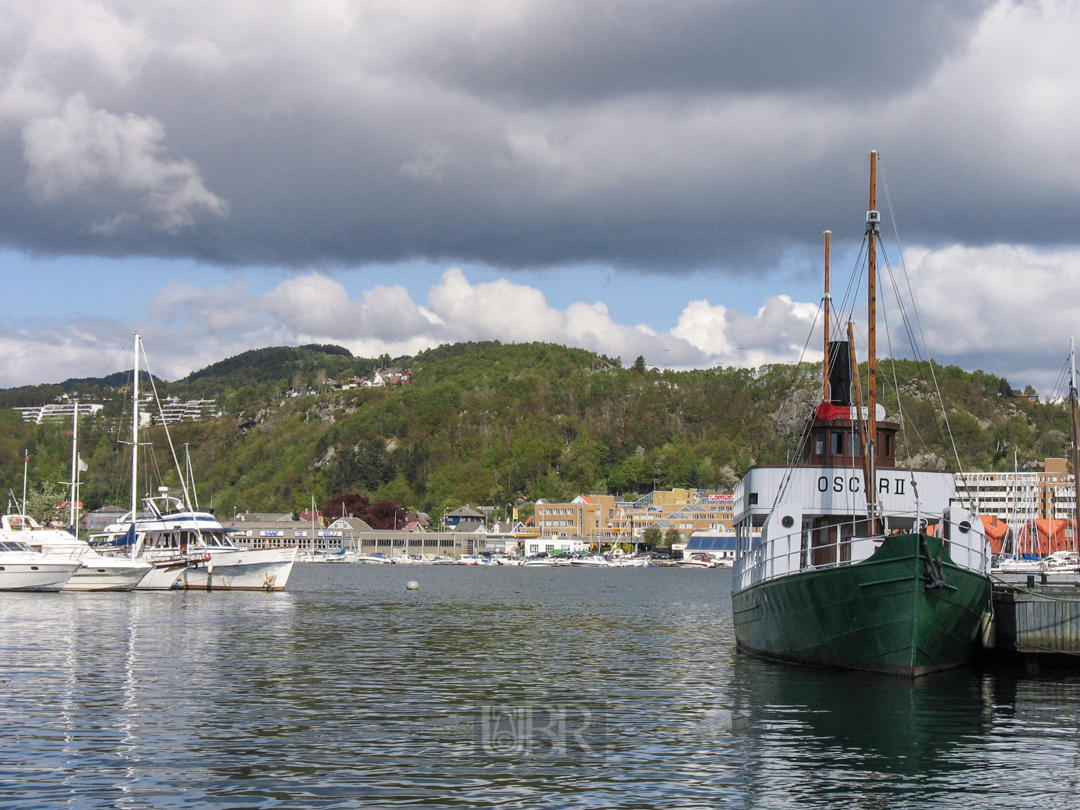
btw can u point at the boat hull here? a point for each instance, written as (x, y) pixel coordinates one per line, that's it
(883, 614)
(94, 576)
(257, 570)
(36, 576)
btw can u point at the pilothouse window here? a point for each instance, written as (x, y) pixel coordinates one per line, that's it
(837, 444)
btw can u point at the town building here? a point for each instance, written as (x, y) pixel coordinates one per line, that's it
(1041, 491)
(604, 518)
(348, 535)
(463, 515)
(55, 411)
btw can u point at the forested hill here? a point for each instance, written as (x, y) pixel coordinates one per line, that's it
(486, 423)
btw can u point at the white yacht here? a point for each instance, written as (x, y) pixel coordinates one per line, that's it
(377, 558)
(23, 569)
(187, 549)
(96, 572)
(595, 561)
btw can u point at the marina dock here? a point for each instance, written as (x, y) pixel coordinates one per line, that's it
(1036, 618)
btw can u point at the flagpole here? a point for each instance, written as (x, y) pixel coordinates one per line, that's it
(26, 465)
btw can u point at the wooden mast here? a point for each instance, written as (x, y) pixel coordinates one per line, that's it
(1073, 408)
(825, 397)
(873, 217)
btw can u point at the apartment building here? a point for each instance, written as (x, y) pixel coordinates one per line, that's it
(605, 517)
(1016, 498)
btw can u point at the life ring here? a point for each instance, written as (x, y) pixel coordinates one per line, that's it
(206, 557)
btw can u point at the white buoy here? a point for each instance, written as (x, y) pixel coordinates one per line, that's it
(412, 585)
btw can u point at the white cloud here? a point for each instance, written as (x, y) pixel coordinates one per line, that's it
(191, 327)
(1001, 300)
(83, 147)
(777, 333)
(1016, 305)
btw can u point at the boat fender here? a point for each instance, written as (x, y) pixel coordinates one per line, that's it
(206, 557)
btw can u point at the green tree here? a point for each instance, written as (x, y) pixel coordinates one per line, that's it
(639, 365)
(671, 537)
(46, 503)
(652, 536)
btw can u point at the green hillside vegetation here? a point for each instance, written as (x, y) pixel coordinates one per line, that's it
(486, 423)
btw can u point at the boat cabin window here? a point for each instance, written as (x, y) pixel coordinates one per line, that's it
(837, 443)
(819, 443)
(855, 448)
(12, 545)
(166, 540)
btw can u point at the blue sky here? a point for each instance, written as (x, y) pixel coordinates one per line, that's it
(631, 178)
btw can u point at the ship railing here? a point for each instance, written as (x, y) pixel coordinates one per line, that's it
(775, 557)
(791, 553)
(787, 554)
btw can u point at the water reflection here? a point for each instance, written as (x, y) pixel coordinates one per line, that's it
(351, 692)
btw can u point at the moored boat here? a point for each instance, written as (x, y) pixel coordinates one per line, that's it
(96, 572)
(847, 572)
(187, 548)
(23, 569)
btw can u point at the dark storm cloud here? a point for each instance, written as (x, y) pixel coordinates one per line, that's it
(659, 136)
(588, 52)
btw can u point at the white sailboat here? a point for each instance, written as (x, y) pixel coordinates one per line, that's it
(184, 547)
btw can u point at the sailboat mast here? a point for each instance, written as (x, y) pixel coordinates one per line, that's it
(1073, 408)
(135, 438)
(825, 301)
(873, 218)
(74, 466)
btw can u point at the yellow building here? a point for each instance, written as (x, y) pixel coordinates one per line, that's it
(585, 516)
(605, 518)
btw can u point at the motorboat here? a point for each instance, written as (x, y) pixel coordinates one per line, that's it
(378, 558)
(630, 562)
(1062, 562)
(1018, 565)
(188, 549)
(96, 572)
(23, 569)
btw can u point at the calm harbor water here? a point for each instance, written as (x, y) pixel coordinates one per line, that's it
(491, 687)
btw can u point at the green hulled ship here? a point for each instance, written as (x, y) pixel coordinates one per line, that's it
(907, 610)
(847, 560)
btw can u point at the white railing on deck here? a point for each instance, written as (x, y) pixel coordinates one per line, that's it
(785, 555)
